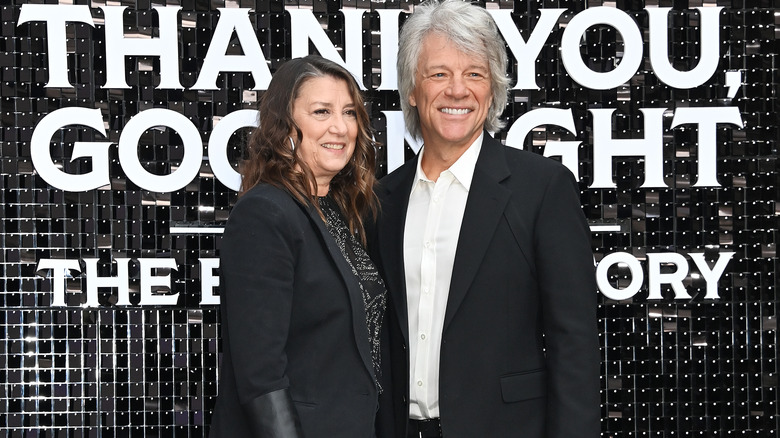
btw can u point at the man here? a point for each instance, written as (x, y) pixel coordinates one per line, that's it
(486, 253)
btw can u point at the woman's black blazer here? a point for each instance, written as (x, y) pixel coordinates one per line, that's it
(292, 317)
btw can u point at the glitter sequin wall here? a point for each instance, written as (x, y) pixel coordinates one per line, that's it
(123, 124)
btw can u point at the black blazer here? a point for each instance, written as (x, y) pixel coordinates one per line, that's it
(520, 352)
(292, 319)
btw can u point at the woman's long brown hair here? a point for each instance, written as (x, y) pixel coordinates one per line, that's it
(272, 159)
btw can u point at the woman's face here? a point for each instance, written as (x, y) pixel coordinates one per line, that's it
(325, 113)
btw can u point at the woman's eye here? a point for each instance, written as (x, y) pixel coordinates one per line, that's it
(321, 111)
(350, 113)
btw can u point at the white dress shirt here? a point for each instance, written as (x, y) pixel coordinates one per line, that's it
(431, 232)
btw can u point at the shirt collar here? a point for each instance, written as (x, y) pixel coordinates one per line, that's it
(462, 169)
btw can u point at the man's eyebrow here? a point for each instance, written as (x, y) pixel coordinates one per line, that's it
(444, 67)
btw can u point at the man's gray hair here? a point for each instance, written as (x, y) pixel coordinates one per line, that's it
(472, 30)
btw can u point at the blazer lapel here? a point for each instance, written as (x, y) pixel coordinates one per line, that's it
(391, 237)
(485, 204)
(359, 327)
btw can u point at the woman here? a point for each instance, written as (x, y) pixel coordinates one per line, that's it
(301, 301)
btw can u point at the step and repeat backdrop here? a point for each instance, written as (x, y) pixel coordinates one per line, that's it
(123, 123)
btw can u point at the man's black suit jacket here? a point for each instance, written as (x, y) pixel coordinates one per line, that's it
(292, 317)
(519, 352)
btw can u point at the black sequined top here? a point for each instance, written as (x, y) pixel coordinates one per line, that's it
(371, 284)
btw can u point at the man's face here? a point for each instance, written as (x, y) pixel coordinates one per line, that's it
(452, 94)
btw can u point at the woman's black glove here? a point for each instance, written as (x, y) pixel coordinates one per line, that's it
(273, 415)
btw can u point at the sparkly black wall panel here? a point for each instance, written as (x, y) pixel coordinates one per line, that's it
(115, 179)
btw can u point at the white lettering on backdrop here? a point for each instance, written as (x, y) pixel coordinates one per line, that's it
(305, 30)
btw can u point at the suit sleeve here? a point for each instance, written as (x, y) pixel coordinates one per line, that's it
(568, 288)
(384, 419)
(258, 254)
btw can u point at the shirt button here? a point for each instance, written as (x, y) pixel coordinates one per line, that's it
(428, 244)
(425, 290)
(422, 336)
(419, 383)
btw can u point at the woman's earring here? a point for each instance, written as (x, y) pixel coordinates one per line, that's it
(292, 143)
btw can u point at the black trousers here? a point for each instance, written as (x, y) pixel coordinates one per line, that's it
(430, 428)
